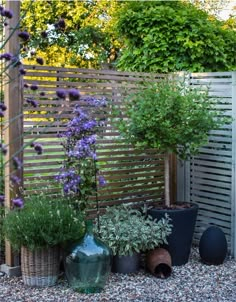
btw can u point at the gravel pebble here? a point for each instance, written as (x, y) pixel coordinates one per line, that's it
(193, 282)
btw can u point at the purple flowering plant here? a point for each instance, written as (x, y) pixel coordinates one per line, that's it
(79, 174)
(8, 61)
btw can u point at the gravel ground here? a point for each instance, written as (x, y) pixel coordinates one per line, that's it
(191, 282)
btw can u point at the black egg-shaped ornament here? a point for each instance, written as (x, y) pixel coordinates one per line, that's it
(213, 246)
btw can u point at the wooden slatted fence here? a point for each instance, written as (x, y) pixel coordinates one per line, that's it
(131, 175)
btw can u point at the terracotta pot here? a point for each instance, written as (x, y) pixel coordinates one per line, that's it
(159, 263)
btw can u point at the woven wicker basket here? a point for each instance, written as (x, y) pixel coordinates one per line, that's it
(40, 267)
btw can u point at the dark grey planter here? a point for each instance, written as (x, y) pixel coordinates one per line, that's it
(180, 240)
(126, 264)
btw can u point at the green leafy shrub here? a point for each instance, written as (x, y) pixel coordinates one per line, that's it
(170, 116)
(166, 36)
(126, 230)
(44, 221)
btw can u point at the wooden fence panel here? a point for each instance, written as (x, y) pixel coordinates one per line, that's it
(131, 175)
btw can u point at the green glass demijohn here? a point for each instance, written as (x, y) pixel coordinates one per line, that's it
(88, 263)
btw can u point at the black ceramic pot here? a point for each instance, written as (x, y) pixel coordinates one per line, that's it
(126, 264)
(213, 246)
(180, 240)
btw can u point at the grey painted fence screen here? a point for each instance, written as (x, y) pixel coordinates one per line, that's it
(208, 179)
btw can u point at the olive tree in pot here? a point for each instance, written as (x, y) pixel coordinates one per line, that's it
(173, 118)
(128, 233)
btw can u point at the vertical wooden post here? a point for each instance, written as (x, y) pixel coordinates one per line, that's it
(233, 189)
(173, 176)
(13, 133)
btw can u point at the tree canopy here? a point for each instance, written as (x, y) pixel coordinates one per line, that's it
(165, 36)
(84, 40)
(156, 36)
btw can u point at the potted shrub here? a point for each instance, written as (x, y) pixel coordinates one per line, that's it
(128, 233)
(173, 118)
(38, 229)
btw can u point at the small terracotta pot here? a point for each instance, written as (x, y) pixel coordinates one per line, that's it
(159, 263)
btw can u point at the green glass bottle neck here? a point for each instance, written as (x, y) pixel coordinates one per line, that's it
(89, 226)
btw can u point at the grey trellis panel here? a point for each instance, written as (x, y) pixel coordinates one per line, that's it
(208, 179)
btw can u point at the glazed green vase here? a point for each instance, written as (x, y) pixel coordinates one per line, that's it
(88, 263)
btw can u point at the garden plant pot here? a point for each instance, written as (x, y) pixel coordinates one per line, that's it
(126, 264)
(40, 267)
(159, 263)
(183, 220)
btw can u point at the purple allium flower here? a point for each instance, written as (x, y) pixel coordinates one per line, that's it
(101, 181)
(17, 163)
(34, 87)
(2, 198)
(3, 149)
(24, 35)
(5, 24)
(32, 102)
(61, 24)
(40, 61)
(15, 179)
(3, 107)
(18, 202)
(61, 93)
(26, 85)
(7, 56)
(7, 13)
(42, 93)
(44, 34)
(74, 94)
(38, 148)
(22, 71)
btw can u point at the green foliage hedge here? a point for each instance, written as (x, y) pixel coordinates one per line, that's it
(166, 36)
